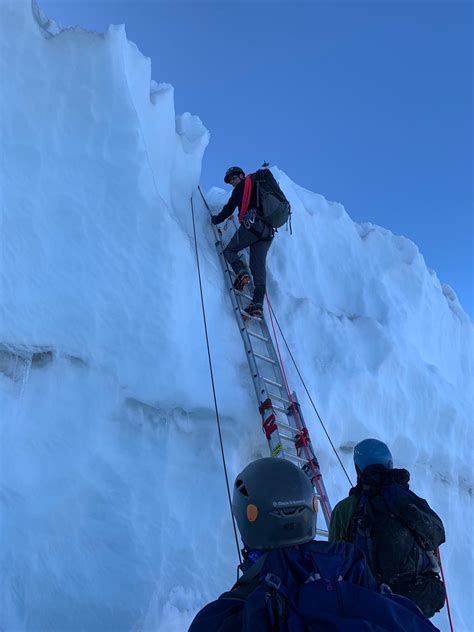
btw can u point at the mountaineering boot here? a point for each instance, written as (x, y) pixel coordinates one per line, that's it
(241, 280)
(253, 310)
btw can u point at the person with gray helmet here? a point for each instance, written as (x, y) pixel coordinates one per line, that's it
(291, 582)
(397, 530)
(253, 233)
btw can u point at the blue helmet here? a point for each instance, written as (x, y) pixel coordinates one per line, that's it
(372, 452)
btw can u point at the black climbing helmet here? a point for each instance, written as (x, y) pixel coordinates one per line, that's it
(233, 171)
(274, 504)
(372, 452)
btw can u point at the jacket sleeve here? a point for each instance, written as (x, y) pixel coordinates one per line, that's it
(341, 519)
(234, 201)
(336, 526)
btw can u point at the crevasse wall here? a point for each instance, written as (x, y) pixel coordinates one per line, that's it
(89, 150)
(113, 505)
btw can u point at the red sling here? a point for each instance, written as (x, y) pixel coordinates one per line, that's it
(245, 198)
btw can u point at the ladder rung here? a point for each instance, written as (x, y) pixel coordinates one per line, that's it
(268, 381)
(257, 318)
(299, 459)
(262, 357)
(285, 436)
(288, 427)
(258, 336)
(279, 408)
(282, 399)
(241, 293)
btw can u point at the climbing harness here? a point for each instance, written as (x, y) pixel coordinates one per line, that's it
(249, 218)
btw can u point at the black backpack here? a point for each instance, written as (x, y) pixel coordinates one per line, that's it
(276, 209)
(400, 535)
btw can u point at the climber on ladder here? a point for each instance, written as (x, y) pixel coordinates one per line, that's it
(253, 232)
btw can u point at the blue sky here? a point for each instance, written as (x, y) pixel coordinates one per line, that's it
(367, 103)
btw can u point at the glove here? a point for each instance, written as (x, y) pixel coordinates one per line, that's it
(214, 219)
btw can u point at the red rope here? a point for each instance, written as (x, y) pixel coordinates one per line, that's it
(446, 592)
(297, 418)
(245, 198)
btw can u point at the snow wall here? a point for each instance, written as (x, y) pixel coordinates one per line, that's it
(114, 512)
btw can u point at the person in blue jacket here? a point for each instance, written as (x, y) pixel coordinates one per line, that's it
(291, 582)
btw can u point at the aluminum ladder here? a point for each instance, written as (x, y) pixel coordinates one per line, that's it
(282, 418)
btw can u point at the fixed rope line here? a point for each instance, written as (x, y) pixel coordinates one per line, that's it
(272, 311)
(445, 592)
(297, 419)
(204, 200)
(213, 386)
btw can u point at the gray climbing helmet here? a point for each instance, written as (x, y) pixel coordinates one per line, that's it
(274, 504)
(233, 171)
(372, 452)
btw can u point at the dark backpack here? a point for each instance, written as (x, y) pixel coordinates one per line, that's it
(276, 209)
(315, 587)
(400, 535)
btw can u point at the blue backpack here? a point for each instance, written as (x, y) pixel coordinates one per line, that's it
(315, 587)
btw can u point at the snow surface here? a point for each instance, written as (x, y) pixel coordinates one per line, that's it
(114, 512)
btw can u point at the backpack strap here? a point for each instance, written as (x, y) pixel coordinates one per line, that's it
(360, 531)
(274, 596)
(247, 583)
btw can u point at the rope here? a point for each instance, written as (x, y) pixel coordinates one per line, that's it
(309, 396)
(445, 592)
(204, 200)
(213, 386)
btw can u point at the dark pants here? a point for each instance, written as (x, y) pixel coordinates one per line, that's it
(259, 238)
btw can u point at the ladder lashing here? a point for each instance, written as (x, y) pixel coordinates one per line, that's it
(302, 439)
(269, 425)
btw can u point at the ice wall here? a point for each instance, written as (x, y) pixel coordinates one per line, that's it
(92, 152)
(113, 505)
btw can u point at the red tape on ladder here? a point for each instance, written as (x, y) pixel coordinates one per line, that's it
(314, 467)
